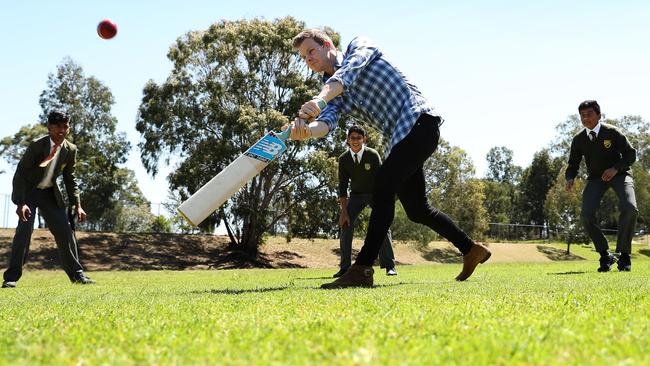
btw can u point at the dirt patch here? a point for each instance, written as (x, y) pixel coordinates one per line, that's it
(111, 251)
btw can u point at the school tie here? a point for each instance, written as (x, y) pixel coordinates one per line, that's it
(50, 157)
(592, 136)
(356, 159)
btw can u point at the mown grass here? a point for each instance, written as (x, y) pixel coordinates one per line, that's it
(506, 314)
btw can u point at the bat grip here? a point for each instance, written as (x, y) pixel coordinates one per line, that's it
(284, 135)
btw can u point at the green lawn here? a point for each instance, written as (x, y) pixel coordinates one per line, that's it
(506, 314)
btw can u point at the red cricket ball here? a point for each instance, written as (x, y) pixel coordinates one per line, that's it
(107, 29)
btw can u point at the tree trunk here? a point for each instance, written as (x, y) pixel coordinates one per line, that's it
(233, 240)
(251, 238)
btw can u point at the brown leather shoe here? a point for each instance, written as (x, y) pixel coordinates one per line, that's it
(356, 276)
(476, 255)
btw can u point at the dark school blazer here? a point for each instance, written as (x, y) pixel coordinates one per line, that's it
(28, 174)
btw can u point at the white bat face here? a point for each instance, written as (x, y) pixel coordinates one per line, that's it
(218, 190)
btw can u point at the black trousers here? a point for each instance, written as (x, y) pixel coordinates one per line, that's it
(57, 221)
(402, 174)
(356, 203)
(623, 186)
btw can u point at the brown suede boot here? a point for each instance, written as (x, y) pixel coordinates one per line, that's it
(477, 254)
(356, 276)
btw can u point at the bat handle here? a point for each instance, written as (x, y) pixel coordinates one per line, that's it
(284, 135)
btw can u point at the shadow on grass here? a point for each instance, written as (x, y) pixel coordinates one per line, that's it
(383, 285)
(444, 255)
(395, 284)
(316, 278)
(567, 273)
(556, 254)
(244, 291)
(355, 288)
(282, 288)
(645, 252)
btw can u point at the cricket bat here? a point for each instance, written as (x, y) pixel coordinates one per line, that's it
(213, 194)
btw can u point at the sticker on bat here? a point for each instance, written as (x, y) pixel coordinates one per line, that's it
(266, 149)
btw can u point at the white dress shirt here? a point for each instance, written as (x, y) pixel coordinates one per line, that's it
(596, 130)
(359, 154)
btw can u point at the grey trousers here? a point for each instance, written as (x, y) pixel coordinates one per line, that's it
(356, 204)
(57, 221)
(623, 186)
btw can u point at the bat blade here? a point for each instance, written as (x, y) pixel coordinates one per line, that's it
(219, 189)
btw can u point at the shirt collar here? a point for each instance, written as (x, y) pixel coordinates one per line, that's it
(52, 143)
(596, 129)
(359, 154)
(337, 65)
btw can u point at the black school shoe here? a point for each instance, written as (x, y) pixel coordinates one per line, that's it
(82, 279)
(624, 263)
(606, 262)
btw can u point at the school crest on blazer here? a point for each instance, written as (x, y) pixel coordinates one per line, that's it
(607, 144)
(367, 166)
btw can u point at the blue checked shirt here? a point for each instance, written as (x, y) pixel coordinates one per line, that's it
(375, 92)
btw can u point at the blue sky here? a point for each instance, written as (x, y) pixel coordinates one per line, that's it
(502, 73)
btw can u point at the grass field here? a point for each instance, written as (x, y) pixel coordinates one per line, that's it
(506, 314)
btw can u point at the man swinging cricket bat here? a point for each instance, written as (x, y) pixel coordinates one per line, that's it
(220, 188)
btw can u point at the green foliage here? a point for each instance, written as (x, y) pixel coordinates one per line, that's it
(500, 185)
(642, 191)
(500, 166)
(506, 314)
(229, 85)
(177, 221)
(133, 219)
(13, 147)
(637, 132)
(320, 218)
(472, 216)
(131, 211)
(564, 133)
(535, 183)
(498, 201)
(562, 210)
(161, 224)
(452, 189)
(406, 230)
